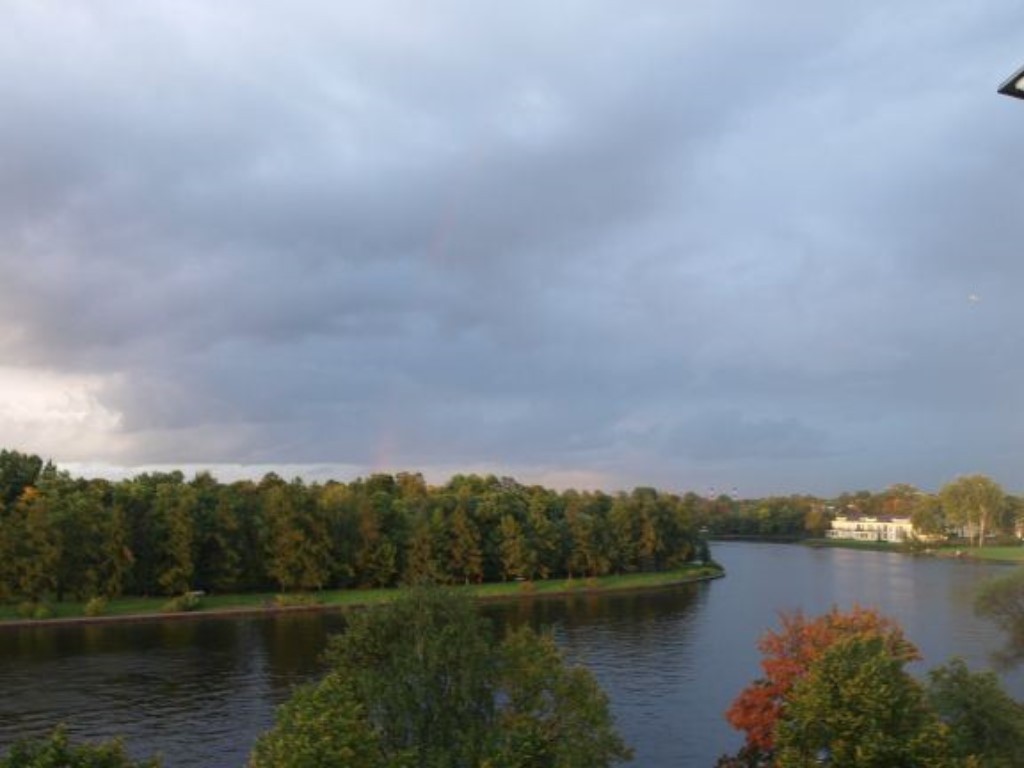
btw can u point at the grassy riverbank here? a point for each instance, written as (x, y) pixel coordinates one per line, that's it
(873, 546)
(992, 554)
(996, 554)
(138, 608)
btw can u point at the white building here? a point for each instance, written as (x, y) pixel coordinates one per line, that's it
(892, 529)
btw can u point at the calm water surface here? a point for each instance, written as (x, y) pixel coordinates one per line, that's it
(200, 691)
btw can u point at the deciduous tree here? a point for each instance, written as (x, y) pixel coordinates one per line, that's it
(858, 707)
(421, 682)
(514, 548)
(465, 554)
(551, 713)
(985, 724)
(788, 654)
(973, 502)
(174, 507)
(298, 548)
(1002, 601)
(57, 751)
(323, 725)
(18, 471)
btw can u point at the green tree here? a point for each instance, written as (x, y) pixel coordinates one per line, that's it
(422, 669)
(1002, 601)
(543, 534)
(337, 507)
(217, 535)
(147, 529)
(420, 683)
(80, 515)
(377, 555)
(503, 499)
(515, 553)
(174, 507)
(1010, 518)
(857, 707)
(984, 722)
(9, 544)
(816, 520)
(118, 558)
(649, 545)
(18, 471)
(298, 554)
(56, 751)
(322, 725)
(788, 654)
(973, 502)
(622, 530)
(465, 555)
(552, 714)
(927, 515)
(39, 554)
(586, 555)
(421, 566)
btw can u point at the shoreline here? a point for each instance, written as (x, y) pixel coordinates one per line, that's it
(485, 593)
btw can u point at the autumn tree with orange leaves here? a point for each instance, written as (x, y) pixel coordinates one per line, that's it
(789, 653)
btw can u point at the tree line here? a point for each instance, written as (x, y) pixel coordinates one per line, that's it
(972, 506)
(160, 534)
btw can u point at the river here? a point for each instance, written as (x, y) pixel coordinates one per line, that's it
(200, 691)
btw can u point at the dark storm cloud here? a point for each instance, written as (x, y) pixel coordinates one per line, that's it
(766, 248)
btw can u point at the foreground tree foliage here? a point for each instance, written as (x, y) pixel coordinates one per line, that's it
(858, 707)
(421, 682)
(984, 721)
(836, 691)
(789, 653)
(323, 725)
(56, 751)
(1002, 601)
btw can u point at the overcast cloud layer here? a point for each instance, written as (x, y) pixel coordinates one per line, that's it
(772, 247)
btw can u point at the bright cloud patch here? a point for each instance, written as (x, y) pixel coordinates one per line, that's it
(56, 414)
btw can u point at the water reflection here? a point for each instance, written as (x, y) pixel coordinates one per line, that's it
(293, 645)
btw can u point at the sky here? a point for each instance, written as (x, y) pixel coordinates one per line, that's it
(763, 248)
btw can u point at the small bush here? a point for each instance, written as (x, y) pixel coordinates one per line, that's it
(57, 750)
(527, 587)
(42, 611)
(97, 606)
(171, 606)
(27, 609)
(190, 601)
(299, 598)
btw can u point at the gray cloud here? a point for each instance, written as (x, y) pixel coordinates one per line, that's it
(670, 244)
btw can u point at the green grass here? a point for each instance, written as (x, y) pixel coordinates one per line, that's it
(997, 554)
(212, 604)
(1011, 554)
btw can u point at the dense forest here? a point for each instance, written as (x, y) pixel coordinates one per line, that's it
(160, 534)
